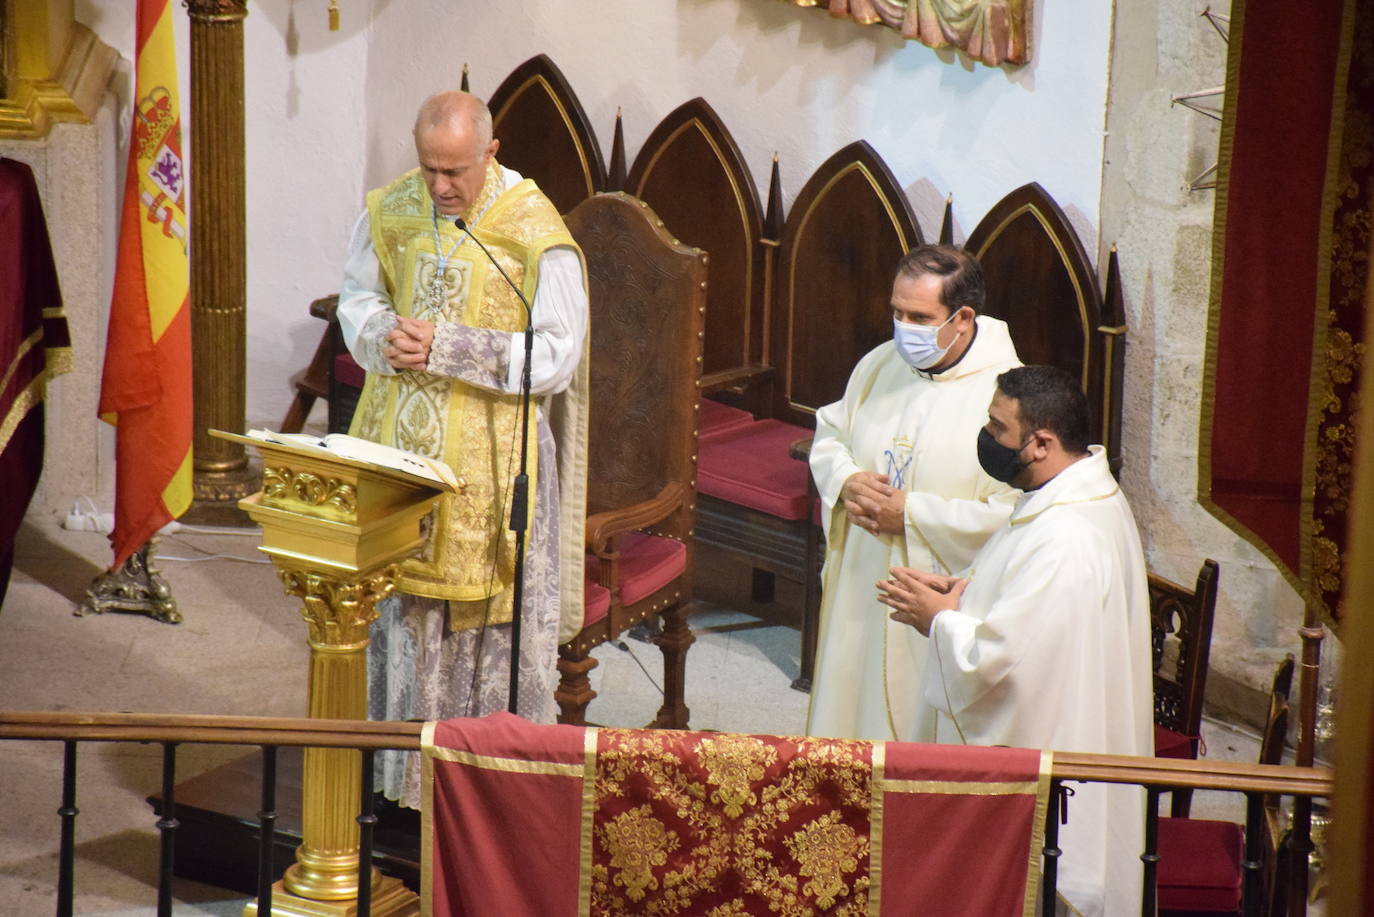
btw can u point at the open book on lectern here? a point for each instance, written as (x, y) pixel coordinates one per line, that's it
(351, 448)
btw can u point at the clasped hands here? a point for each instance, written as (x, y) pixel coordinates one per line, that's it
(874, 505)
(407, 345)
(917, 597)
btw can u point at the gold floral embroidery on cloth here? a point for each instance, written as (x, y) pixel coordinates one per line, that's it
(637, 842)
(732, 763)
(827, 849)
(742, 824)
(1344, 347)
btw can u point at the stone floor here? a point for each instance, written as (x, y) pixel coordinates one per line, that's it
(241, 650)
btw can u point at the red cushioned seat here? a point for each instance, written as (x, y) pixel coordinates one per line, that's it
(1170, 744)
(347, 371)
(750, 466)
(647, 564)
(596, 597)
(719, 418)
(1199, 865)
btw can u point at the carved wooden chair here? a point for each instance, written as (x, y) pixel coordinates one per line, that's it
(648, 301)
(314, 382)
(1181, 639)
(1200, 861)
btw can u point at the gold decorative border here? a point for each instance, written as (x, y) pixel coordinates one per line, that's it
(877, 781)
(427, 750)
(1037, 840)
(508, 765)
(586, 848)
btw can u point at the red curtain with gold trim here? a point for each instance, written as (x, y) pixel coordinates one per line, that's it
(567, 820)
(1289, 267)
(34, 346)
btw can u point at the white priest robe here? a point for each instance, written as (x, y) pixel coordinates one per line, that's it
(921, 430)
(1050, 648)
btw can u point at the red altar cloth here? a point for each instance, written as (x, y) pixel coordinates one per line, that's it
(34, 346)
(566, 820)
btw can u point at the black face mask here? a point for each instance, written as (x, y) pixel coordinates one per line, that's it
(1002, 463)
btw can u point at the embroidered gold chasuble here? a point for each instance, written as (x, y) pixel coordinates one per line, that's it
(469, 556)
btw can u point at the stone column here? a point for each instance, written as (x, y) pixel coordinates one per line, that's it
(222, 472)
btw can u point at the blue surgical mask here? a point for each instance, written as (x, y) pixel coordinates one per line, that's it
(919, 344)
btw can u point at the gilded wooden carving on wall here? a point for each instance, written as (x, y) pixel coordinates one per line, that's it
(52, 68)
(990, 31)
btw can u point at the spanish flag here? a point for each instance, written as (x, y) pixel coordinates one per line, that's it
(146, 387)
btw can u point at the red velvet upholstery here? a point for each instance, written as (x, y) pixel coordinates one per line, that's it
(750, 466)
(347, 371)
(1199, 865)
(720, 418)
(647, 564)
(1170, 744)
(596, 597)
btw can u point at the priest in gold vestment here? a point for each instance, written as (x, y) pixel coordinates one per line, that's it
(441, 335)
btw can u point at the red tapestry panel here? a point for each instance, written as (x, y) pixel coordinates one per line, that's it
(562, 820)
(1284, 344)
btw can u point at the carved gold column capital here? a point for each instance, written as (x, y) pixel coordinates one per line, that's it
(338, 609)
(216, 10)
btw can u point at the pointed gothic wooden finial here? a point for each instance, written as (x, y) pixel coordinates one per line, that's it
(947, 222)
(464, 84)
(772, 219)
(615, 177)
(1113, 301)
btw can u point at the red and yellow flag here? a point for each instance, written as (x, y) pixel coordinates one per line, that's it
(146, 388)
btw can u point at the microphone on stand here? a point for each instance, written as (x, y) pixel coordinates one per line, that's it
(520, 492)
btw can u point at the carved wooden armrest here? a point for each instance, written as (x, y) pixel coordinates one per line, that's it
(801, 449)
(603, 527)
(325, 307)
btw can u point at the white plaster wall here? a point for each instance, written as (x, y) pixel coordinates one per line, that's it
(783, 79)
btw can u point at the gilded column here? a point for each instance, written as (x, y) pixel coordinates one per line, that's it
(218, 257)
(337, 611)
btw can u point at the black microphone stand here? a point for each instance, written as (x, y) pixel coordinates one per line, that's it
(520, 492)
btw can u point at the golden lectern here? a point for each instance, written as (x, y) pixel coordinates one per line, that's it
(337, 526)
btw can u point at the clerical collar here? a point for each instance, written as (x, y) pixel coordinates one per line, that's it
(932, 373)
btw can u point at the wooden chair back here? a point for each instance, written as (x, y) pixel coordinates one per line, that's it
(691, 173)
(1181, 640)
(648, 303)
(849, 226)
(545, 134)
(1041, 282)
(647, 296)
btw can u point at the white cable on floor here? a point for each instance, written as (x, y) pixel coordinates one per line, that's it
(196, 560)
